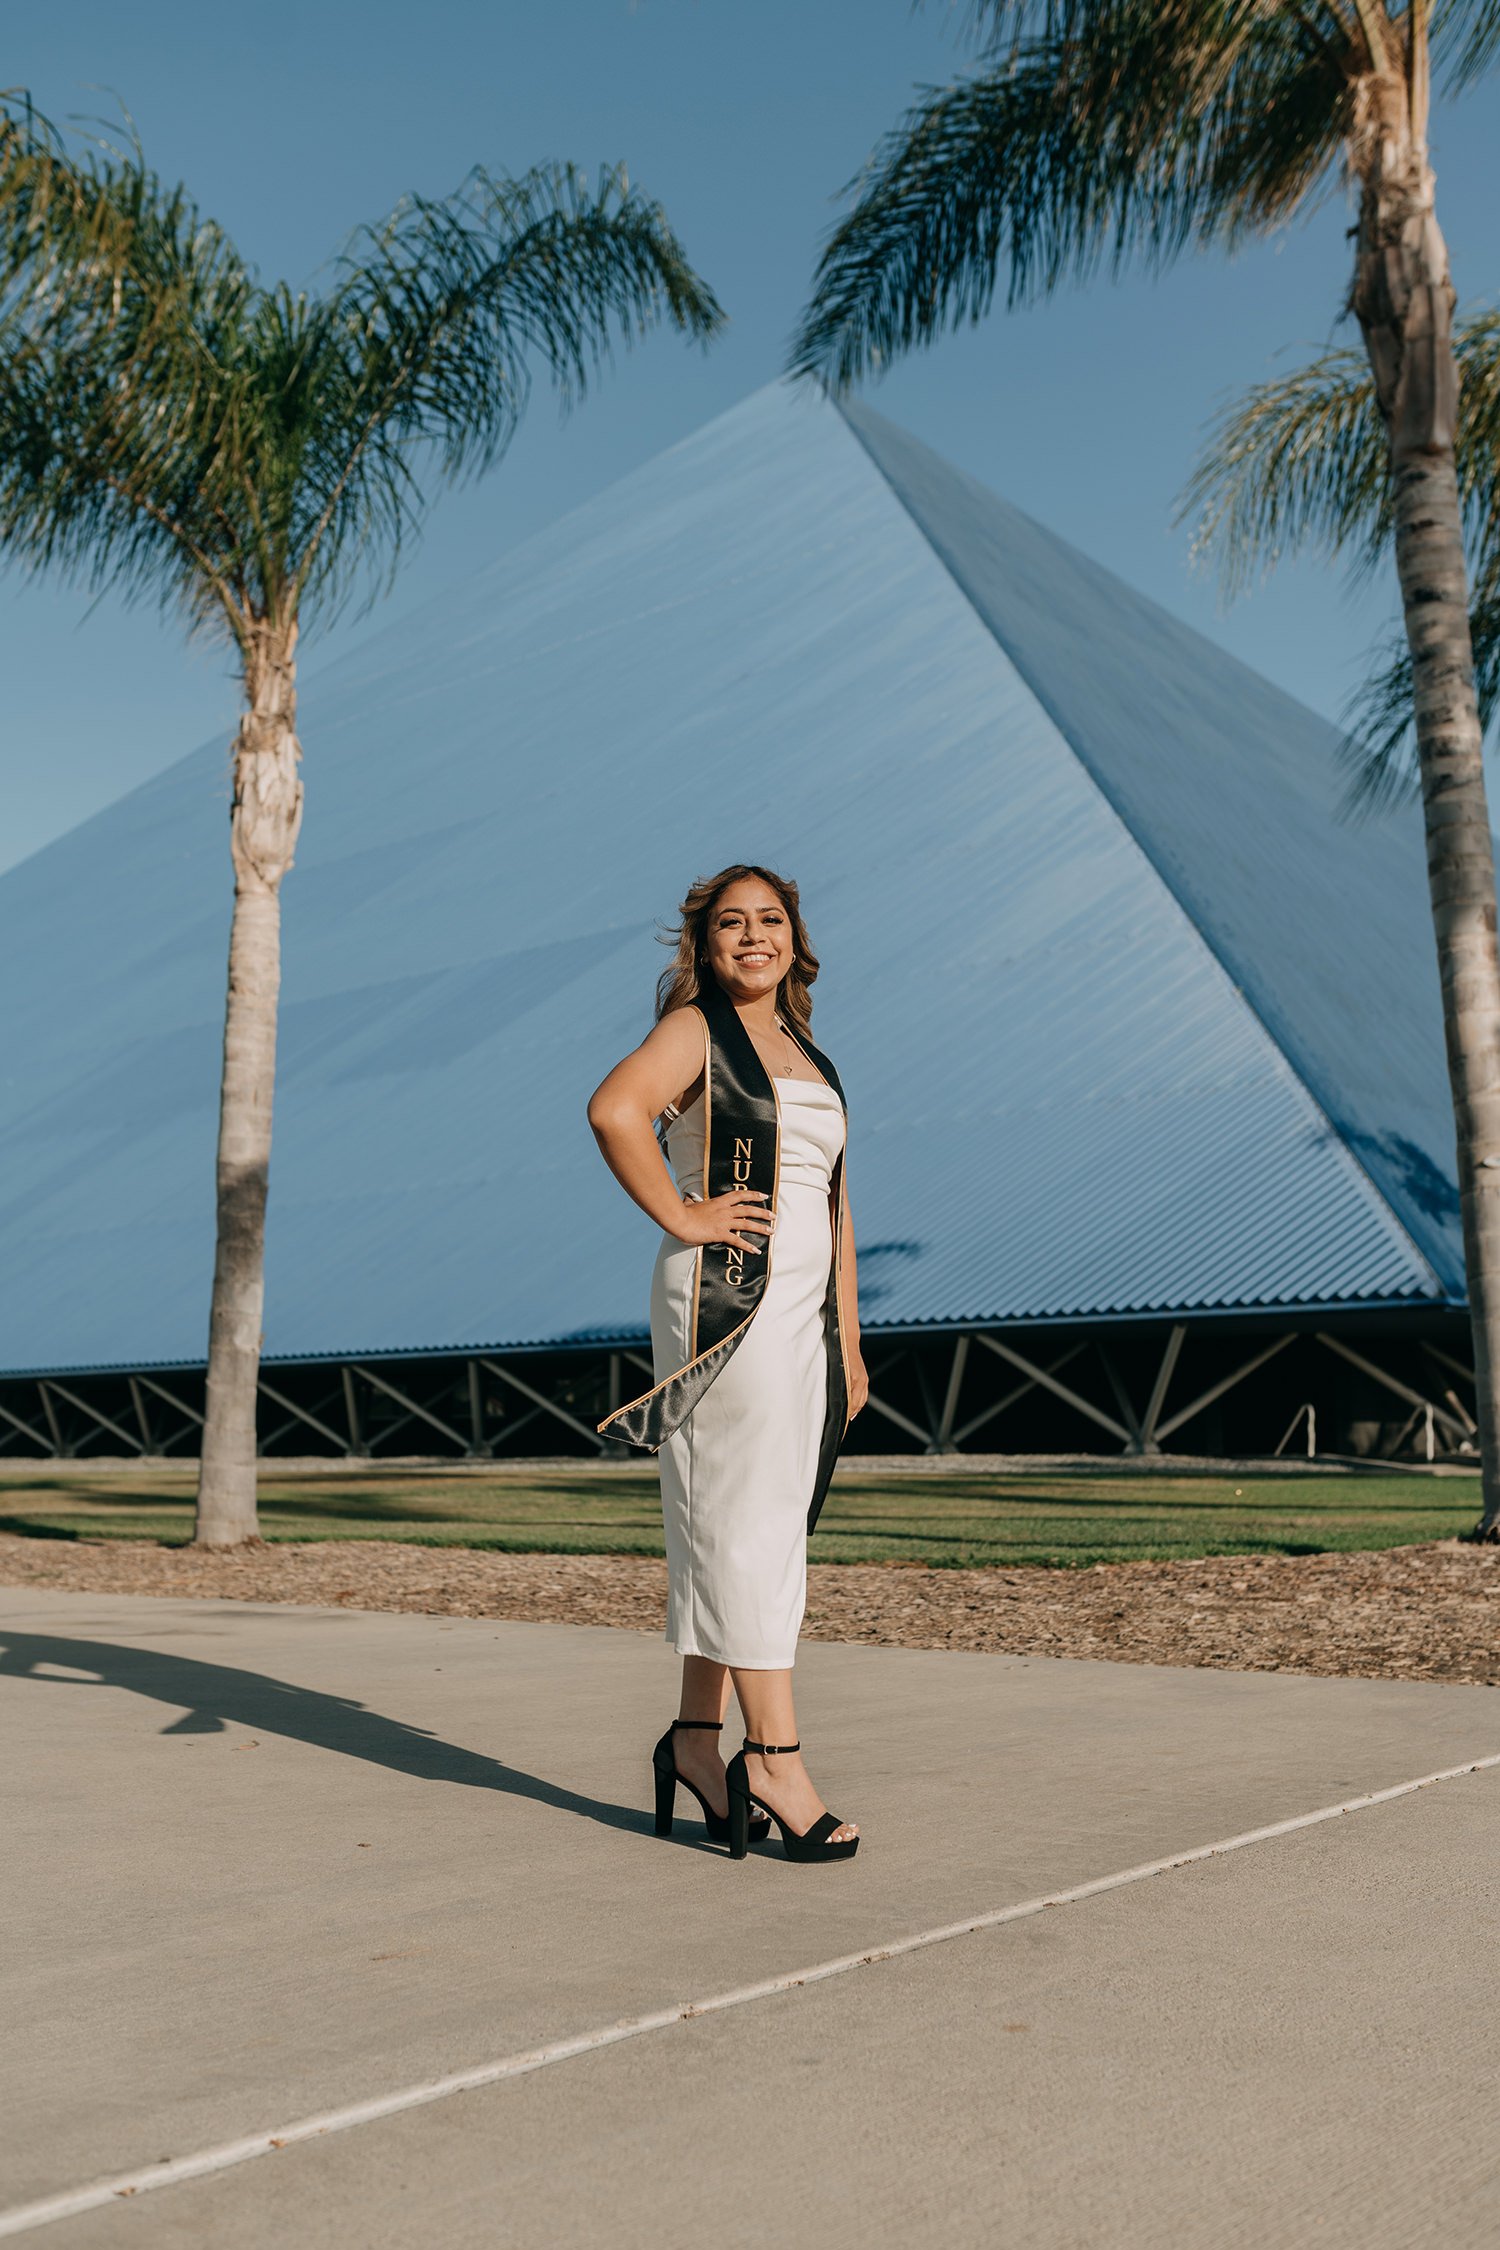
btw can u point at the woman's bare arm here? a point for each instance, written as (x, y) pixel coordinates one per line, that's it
(623, 1114)
(859, 1381)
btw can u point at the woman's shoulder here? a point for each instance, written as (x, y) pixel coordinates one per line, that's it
(680, 1037)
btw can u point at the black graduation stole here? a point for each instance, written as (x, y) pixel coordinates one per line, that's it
(741, 1150)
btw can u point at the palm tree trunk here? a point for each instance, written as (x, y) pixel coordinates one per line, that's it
(264, 822)
(1403, 298)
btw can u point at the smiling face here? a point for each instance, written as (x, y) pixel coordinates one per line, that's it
(749, 940)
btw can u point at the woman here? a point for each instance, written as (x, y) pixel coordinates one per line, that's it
(754, 1336)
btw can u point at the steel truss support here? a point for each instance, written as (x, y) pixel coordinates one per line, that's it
(930, 1405)
(1049, 1382)
(549, 1406)
(479, 1445)
(355, 1445)
(143, 1419)
(531, 1414)
(387, 1431)
(902, 1421)
(93, 1413)
(1150, 1430)
(893, 1413)
(1122, 1400)
(1143, 1431)
(63, 1452)
(1400, 1389)
(412, 1407)
(1447, 1359)
(942, 1437)
(190, 1414)
(28, 1428)
(998, 1406)
(298, 1414)
(1225, 1383)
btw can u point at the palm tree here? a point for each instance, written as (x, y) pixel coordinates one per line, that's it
(251, 457)
(1098, 131)
(1302, 463)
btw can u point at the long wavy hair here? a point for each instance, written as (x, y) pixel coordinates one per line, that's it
(685, 976)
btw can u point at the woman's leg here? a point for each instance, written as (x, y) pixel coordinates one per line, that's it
(782, 1783)
(700, 1756)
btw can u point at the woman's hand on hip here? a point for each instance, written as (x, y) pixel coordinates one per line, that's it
(742, 1219)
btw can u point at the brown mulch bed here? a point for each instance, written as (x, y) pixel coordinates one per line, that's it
(1408, 1613)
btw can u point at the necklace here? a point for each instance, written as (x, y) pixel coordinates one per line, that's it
(788, 1070)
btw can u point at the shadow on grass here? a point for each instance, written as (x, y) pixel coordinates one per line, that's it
(1151, 1506)
(387, 1504)
(154, 1532)
(85, 1498)
(209, 1696)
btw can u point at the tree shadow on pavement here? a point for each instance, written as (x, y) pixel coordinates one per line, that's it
(210, 1696)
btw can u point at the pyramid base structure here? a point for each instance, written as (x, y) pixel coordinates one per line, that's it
(1376, 1386)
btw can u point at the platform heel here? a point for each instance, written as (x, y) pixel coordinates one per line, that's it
(666, 1778)
(739, 1806)
(802, 1844)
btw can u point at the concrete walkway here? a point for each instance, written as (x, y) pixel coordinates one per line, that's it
(263, 1863)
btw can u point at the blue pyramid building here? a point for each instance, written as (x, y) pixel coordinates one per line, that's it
(1138, 1034)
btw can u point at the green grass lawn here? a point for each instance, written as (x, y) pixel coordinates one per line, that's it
(1065, 1517)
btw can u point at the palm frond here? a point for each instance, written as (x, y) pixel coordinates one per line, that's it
(113, 313)
(171, 426)
(1379, 749)
(1102, 133)
(1476, 343)
(1466, 40)
(441, 314)
(1302, 464)
(1296, 463)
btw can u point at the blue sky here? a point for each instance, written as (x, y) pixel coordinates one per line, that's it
(292, 124)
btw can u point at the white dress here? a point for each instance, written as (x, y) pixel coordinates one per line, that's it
(737, 1478)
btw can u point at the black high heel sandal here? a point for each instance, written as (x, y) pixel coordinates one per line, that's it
(812, 1843)
(664, 1766)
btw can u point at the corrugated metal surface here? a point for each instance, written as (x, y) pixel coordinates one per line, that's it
(1231, 790)
(1062, 1105)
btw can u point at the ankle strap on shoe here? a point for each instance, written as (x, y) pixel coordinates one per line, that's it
(709, 1726)
(771, 1749)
